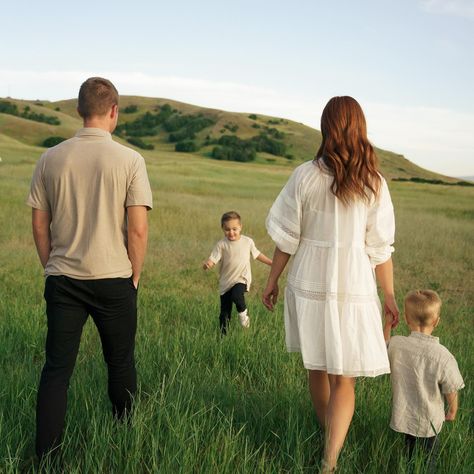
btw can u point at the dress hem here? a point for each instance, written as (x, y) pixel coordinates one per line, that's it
(334, 371)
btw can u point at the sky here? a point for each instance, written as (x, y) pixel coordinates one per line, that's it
(409, 63)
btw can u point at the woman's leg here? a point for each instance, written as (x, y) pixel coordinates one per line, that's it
(339, 415)
(318, 382)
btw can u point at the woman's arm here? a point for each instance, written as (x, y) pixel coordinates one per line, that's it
(384, 274)
(270, 294)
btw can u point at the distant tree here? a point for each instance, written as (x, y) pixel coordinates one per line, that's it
(130, 109)
(52, 141)
(138, 142)
(253, 117)
(7, 107)
(187, 146)
(232, 127)
(275, 133)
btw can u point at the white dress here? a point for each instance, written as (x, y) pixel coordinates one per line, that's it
(332, 310)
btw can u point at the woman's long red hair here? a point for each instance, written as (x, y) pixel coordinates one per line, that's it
(346, 151)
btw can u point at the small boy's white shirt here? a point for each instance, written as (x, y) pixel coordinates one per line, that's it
(234, 257)
(422, 371)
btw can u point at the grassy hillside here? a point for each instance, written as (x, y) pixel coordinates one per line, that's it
(206, 405)
(299, 141)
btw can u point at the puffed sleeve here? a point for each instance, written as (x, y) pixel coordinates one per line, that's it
(380, 231)
(284, 219)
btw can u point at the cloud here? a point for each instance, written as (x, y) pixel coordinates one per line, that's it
(438, 139)
(434, 138)
(463, 8)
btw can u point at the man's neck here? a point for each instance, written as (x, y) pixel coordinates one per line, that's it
(98, 122)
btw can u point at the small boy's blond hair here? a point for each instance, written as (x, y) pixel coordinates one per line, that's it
(422, 307)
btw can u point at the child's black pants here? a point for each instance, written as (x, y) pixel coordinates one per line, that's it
(234, 295)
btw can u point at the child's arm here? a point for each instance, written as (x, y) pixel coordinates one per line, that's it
(208, 264)
(452, 402)
(262, 258)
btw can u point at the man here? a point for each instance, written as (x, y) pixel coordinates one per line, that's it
(90, 197)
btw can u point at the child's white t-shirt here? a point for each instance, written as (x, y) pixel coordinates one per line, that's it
(234, 258)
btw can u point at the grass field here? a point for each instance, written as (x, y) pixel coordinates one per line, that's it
(206, 404)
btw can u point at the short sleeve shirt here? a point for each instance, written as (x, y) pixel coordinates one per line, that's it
(422, 371)
(86, 184)
(234, 257)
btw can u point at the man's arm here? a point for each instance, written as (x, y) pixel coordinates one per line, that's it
(41, 221)
(452, 402)
(137, 231)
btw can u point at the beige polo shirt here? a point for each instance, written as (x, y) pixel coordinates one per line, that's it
(422, 371)
(234, 258)
(86, 183)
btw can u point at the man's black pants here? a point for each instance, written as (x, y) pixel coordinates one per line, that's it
(234, 295)
(112, 303)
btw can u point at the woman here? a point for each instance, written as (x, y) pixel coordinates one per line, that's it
(335, 217)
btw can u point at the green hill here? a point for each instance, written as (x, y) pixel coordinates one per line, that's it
(163, 125)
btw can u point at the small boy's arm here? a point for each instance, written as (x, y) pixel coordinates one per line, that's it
(264, 259)
(452, 402)
(208, 264)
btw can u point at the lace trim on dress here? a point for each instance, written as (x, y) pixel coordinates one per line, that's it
(316, 295)
(284, 228)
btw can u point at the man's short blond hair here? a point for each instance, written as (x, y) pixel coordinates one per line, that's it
(422, 306)
(96, 97)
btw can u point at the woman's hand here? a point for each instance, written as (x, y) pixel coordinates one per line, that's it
(390, 309)
(270, 295)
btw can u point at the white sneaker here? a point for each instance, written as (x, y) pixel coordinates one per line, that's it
(244, 319)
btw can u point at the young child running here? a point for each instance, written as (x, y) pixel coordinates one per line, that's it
(423, 372)
(235, 276)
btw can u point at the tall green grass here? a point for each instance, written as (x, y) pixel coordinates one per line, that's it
(208, 404)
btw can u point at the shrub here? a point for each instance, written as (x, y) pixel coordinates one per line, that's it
(145, 125)
(180, 136)
(276, 133)
(232, 127)
(52, 141)
(130, 109)
(232, 148)
(187, 146)
(253, 117)
(138, 142)
(266, 144)
(8, 108)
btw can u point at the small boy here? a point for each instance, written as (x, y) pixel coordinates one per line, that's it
(422, 373)
(235, 275)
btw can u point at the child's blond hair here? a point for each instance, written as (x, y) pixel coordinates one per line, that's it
(422, 306)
